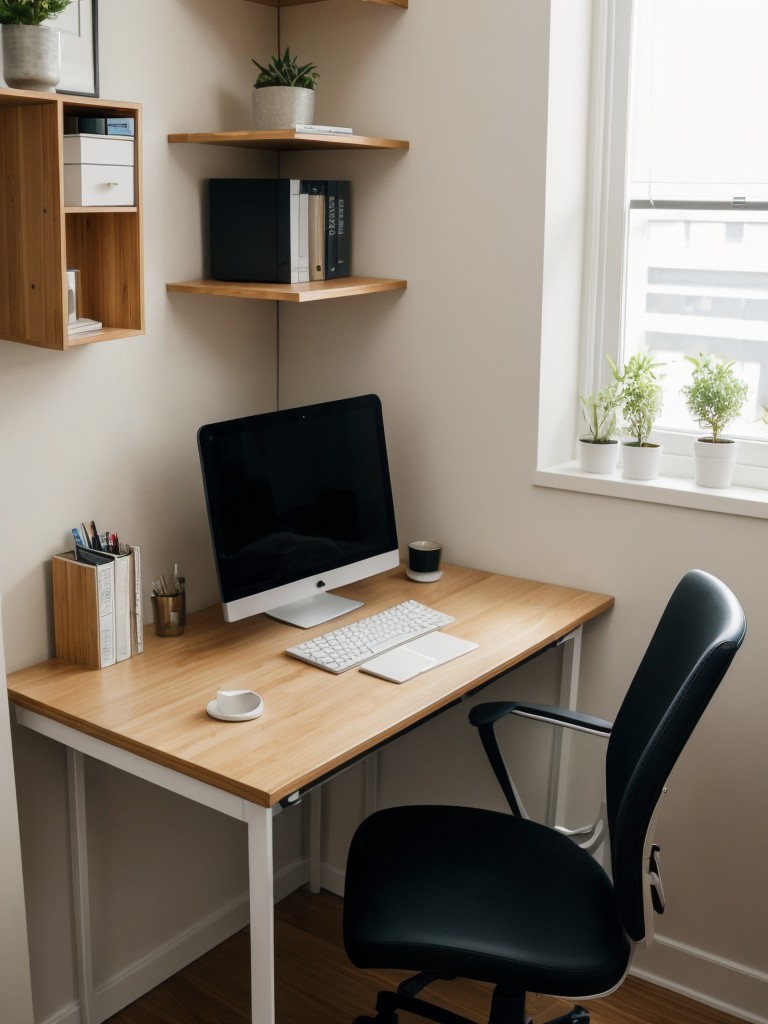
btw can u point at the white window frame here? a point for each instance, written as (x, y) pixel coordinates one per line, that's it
(603, 294)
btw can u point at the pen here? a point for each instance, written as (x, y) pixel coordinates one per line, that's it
(95, 542)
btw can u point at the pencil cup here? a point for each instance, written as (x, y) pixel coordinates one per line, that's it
(170, 614)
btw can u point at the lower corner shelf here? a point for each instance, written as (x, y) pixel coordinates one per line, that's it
(312, 291)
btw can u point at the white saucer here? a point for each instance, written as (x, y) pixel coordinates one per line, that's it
(255, 709)
(424, 577)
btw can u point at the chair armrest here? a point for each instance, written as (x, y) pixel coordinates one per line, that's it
(485, 716)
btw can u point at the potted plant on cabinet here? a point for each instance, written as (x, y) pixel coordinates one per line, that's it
(599, 450)
(641, 397)
(31, 48)
(284, 93)
(714, 397)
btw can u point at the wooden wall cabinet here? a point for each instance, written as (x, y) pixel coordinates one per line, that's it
(40, 237)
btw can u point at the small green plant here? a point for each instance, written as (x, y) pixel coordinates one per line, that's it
(600, 412)
(285, 70)
(641, 395)
(715, 395)
(30, 12)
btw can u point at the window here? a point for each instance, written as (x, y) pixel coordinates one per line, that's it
(685, 252)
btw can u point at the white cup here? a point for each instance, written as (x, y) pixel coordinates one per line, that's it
(236, 702)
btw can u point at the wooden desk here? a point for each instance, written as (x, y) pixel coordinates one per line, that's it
(148, 715)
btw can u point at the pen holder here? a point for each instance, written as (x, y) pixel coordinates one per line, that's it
(170, 614)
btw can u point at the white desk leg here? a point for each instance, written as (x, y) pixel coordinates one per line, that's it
(569, 692)
(260, 884)
(78, 844)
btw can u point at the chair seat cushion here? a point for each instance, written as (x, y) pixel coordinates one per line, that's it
(465, 892)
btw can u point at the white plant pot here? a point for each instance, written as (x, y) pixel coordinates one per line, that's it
(282, 106)
(598, 457)
(31, 57)
(714, 463)
(640, 462)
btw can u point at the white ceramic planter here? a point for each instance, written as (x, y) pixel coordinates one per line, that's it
(282, 106)
(714, 463)
(598, 458)
(31, 57)
(640, 462)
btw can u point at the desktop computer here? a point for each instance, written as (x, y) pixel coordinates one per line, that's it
(299, 501)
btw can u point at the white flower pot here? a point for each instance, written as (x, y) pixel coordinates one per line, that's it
(598, 457)
(282, 106)
(714, 463)
(640, 462)
(31, 57)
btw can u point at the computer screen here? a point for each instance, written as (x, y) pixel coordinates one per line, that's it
(299, 501)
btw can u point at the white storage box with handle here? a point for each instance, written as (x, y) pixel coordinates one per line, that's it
(98, 170)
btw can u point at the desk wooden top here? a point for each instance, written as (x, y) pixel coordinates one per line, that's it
(154, 704)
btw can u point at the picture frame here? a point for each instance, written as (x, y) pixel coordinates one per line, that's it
(79, 28)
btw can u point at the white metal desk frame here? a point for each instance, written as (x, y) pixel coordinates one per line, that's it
(259, 822)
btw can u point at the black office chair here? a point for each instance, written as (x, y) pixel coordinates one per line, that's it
(464, 892)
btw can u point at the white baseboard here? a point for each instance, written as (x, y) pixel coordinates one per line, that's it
(128, 985)
(722, 984)
(727, 986)
(332, 879)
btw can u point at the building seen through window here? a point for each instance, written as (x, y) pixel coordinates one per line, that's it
(696, 229)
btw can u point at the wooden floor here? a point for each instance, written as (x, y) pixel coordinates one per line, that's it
(317, 985)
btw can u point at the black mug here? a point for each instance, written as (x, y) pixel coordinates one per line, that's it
(424, 556)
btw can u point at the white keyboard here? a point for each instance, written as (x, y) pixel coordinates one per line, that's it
(349, 646)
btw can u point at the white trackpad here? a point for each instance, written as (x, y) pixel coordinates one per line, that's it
(417, 656)
(398, 665)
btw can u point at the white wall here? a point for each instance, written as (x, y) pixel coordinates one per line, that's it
(488, 235)
(109, 432)
(485, 217)
(15, 980)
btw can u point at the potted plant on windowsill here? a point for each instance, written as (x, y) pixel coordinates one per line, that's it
(599, 449)
(641, 397)
(715, 398)
(284, 93)
(31, 48)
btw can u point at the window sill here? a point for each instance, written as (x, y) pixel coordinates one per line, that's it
(740, 499)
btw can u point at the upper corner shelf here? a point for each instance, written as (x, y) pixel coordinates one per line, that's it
(298, 3)
(287, 138)
(339, 288)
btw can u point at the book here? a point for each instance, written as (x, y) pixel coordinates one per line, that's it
(137, 606)
(338, 214)
(343, 230)
(254, 230)
(83, 325)
(84, 608)
(316, 239)
(299, 233)
(123, 598)
(337, 208)
(323, 129)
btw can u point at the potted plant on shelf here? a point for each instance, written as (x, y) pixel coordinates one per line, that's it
(641, 397)
(31, 48)
(715, 398)
(599, 450)
(284, 93)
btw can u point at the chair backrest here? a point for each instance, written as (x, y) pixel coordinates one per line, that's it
(695, 641)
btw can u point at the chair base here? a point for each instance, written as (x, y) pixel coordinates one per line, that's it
(506, 1007)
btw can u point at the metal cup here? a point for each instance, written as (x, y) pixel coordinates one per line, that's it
(170, 614)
